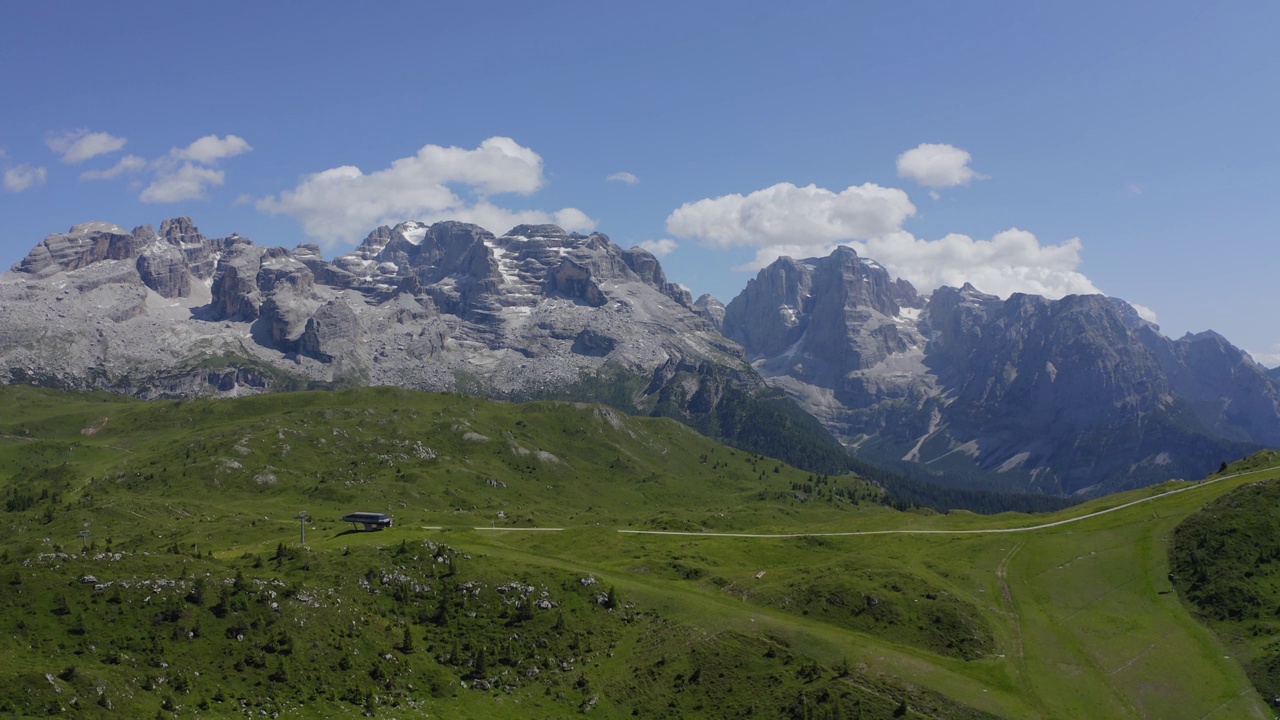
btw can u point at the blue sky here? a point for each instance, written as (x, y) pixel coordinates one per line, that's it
(1127, 148)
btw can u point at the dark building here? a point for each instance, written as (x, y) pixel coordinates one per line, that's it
(370, 520)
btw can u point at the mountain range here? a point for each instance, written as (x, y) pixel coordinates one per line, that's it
(1071, 396)
(1077, 395)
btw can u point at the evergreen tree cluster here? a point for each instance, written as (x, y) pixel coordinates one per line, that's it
(1225, 562)
(905, 493)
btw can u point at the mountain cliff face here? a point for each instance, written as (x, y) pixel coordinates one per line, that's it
(440, 307)
(537, 313)
(1076, 395)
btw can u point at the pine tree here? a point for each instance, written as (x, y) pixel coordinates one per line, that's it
(441, 618)
(524, 611)
(197, 594)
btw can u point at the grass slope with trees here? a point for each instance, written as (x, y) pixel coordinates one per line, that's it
(153, 567)
(1226, 563)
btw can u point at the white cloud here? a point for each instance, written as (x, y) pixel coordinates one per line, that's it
(623, 177)
(211, 148)
(812, 221)
(936, 165)
(17, 179)
(1269, 359)
(573, 220)
(788, 215)
(660, 248)
(342, 204)
(1145, 312)
(128, 163)
(80, 145)
(499, 220)
(1133, 188)
(1011, 261)
(187, 173)
(187, 181)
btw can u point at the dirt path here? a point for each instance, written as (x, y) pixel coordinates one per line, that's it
(1002, 575)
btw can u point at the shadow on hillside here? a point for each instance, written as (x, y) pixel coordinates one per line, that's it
(354, 531)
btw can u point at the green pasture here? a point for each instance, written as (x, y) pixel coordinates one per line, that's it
(850, 609)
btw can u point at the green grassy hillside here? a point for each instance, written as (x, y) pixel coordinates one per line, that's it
(1226, 563)
(515, 582)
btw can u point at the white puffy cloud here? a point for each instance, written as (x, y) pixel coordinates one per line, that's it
(499, 220)
(80, 145)
(660, 248)
(17, 179)
(812, 221)
(1011, 261)
(572, 219)
(623, 177)
(211, 148)
(936, 165)
(185, 173)
(127, 164)
(187, 181)
(788, 215)
(1145, 313)
(342, 204)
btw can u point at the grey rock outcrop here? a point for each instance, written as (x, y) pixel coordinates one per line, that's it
(711, 309)
(590, 342)
(83, 245)
(574, 281)
(331, 332)
(164, 268)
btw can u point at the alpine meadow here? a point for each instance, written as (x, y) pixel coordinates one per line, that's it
(553, 558)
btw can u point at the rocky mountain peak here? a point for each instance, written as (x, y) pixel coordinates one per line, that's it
(1062, 395)
(180, 231)
(96, 226)
(82, 245)
(710, 308)
(534, 308)
(145, 234)
(861, 282)
(826, 301)
(1066, 395)
(541, 232)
